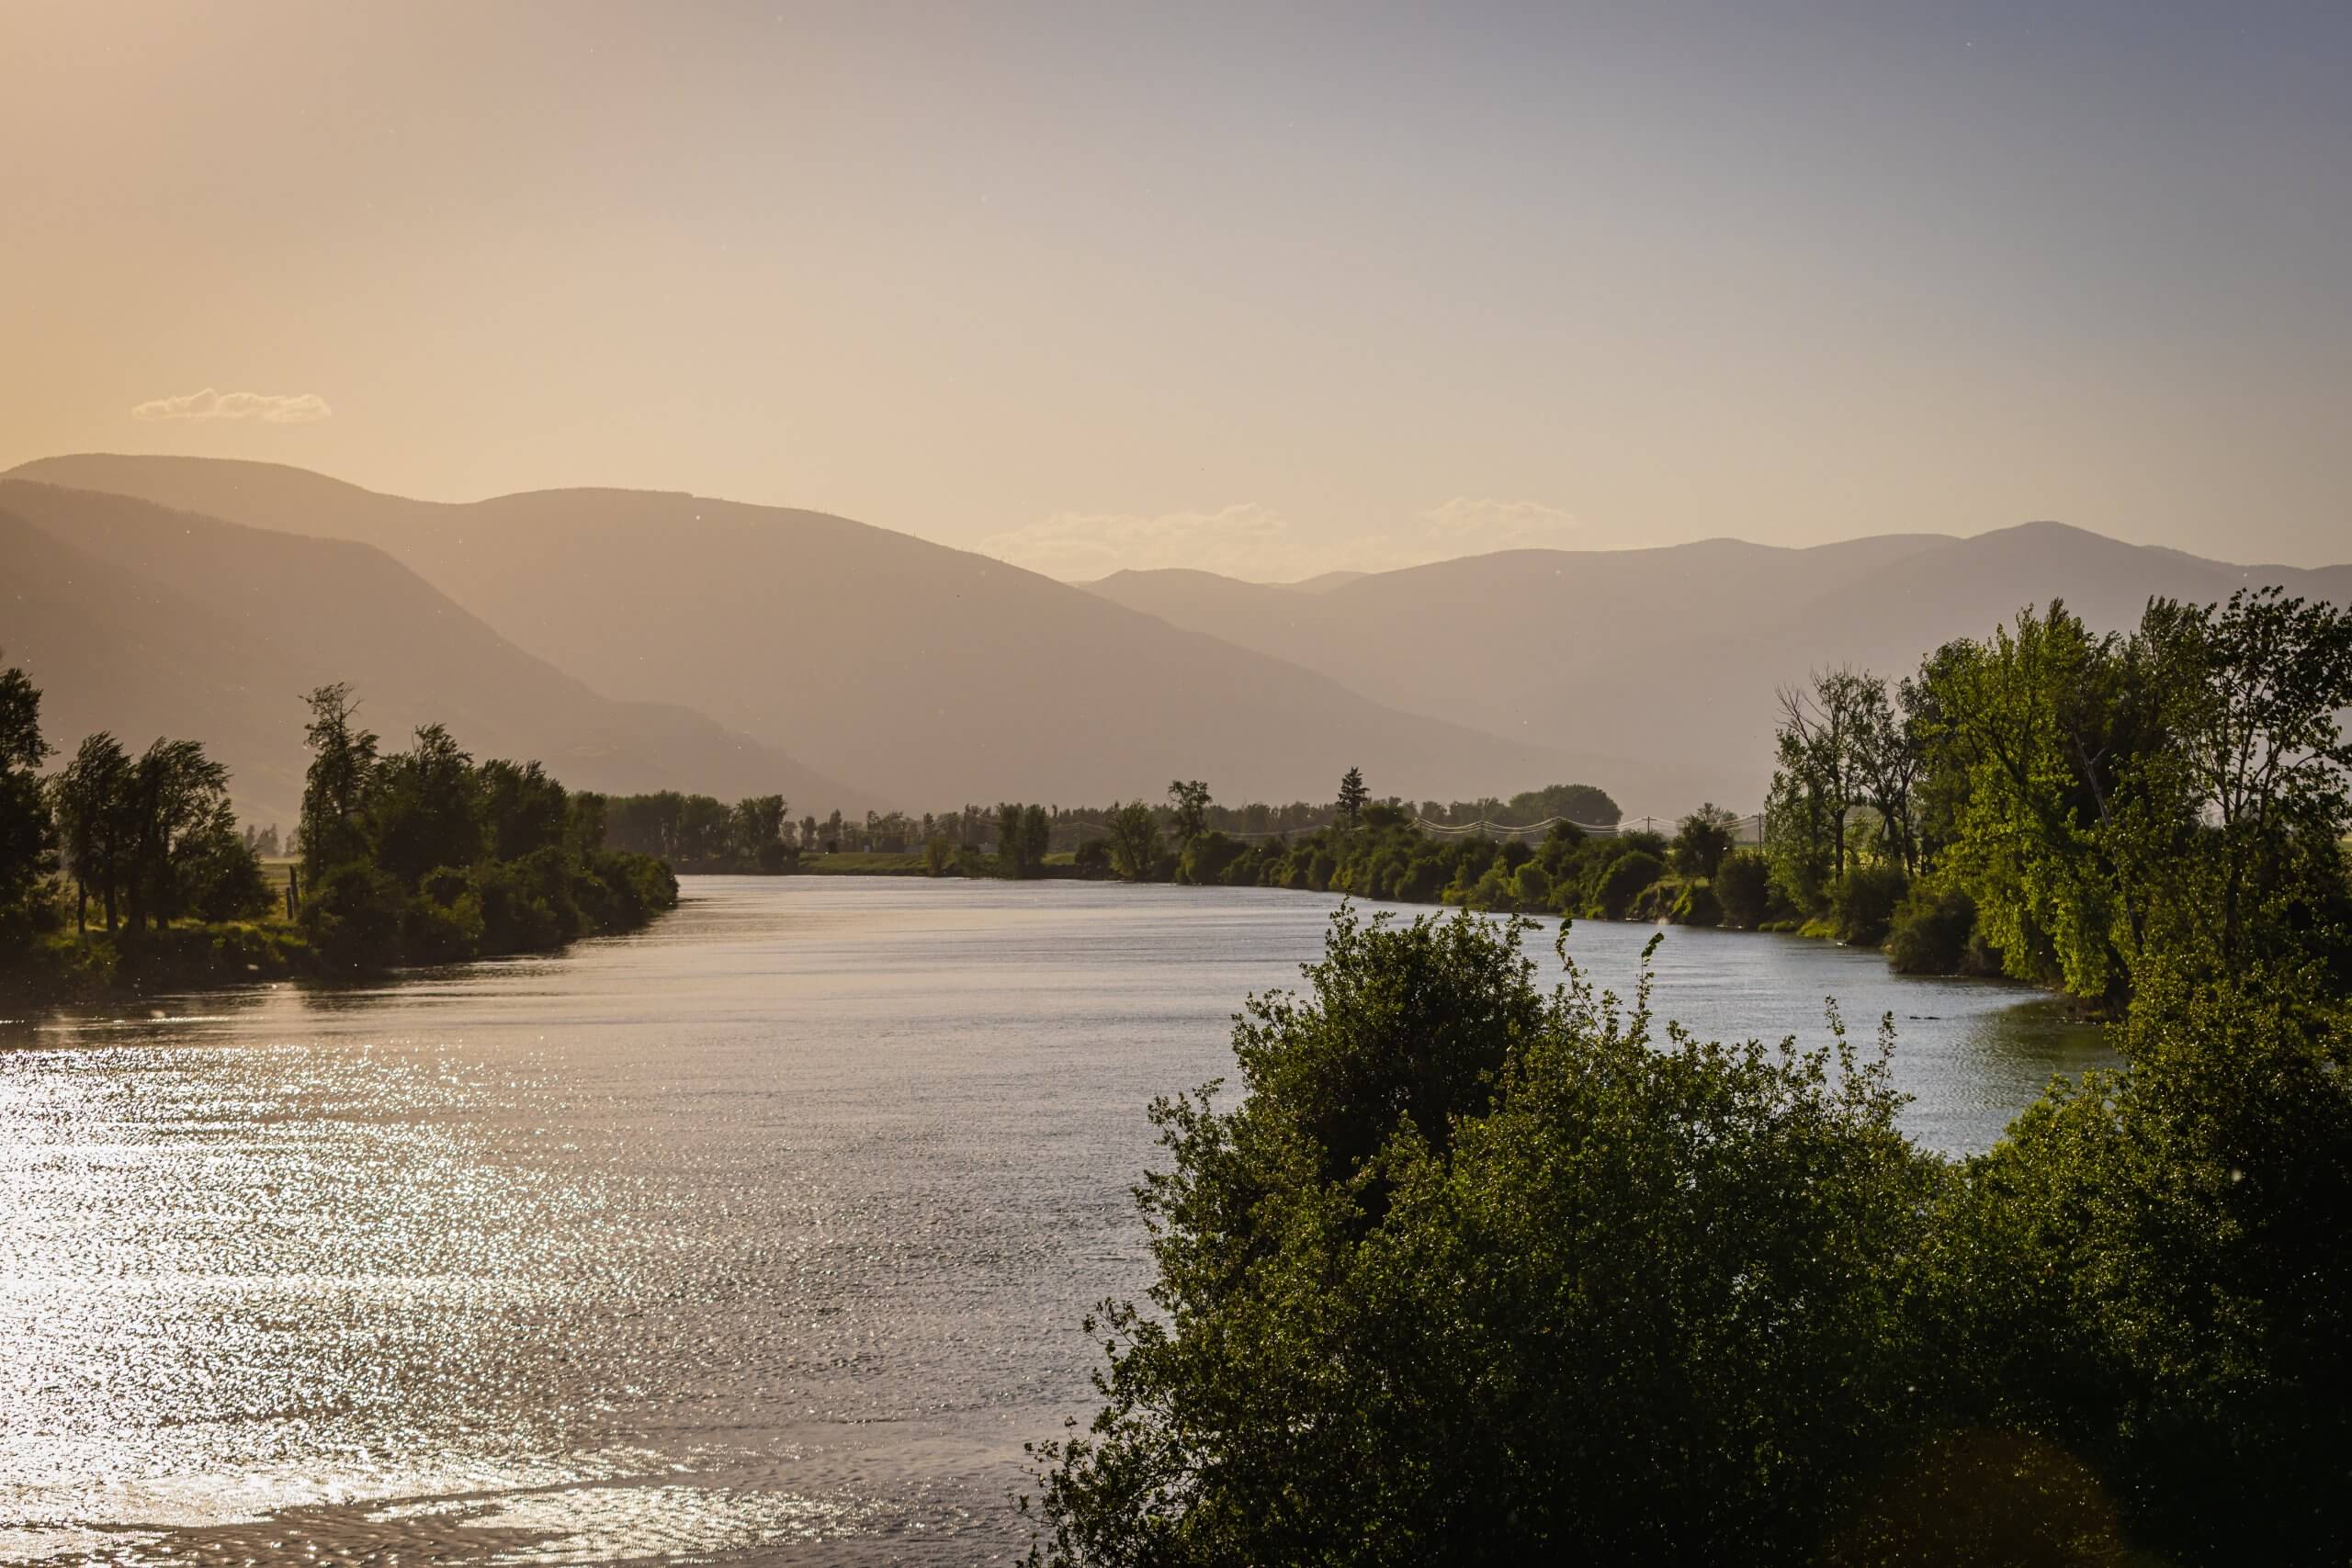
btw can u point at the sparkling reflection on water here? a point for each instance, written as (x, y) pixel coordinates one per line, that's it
(760, 1236)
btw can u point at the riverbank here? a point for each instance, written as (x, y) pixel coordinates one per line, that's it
(362, 927)
(72, 969)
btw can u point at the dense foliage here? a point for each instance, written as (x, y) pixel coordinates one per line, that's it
(979, 831)
(701, 833)
(2066, 806)
(423, 855)
(1476, 1272)
(151, 838)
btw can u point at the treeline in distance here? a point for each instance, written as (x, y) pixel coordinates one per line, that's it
(131, 868)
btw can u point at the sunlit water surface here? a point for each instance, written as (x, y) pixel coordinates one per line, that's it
(760, 1236)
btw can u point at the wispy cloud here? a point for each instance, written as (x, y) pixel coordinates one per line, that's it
(1465, 525)
(1250, 540)
(1242, 540)
(270, 408)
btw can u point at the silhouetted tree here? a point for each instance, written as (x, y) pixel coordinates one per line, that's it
(28, 838)
(343, 758)
(89, 797)
(176, 809)
(1353, 796)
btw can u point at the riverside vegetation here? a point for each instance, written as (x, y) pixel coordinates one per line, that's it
(2043, 803)
(122, 872)
(1475, 1271)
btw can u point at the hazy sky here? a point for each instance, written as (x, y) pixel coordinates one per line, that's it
(1268, 289)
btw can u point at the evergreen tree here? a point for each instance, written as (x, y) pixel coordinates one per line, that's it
(1353, 797)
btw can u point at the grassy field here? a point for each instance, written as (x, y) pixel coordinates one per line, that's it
(862, 863)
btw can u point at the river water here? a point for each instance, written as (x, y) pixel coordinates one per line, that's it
(760, 1236)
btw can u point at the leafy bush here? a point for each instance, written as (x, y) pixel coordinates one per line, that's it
(1862, 904)
(1618, 881)
(1205, 859)
(1932, 932)
(1476, 1274)
(1696, 905)
(353, 918)
(1743, 884)
(2153, 1271)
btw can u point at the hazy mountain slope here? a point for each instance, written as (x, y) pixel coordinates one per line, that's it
(1494, 639)
(146, 621)
(938, 675)
(1675, 654)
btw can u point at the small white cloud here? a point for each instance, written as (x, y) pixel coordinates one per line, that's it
(1242, 540)
(1468, 526)
(1254, 542)
(270, 408)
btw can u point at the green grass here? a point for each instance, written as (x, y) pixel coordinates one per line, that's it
(860, 862)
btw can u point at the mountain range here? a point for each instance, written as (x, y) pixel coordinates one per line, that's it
(149, 622)
(923, 676)
(704, 644)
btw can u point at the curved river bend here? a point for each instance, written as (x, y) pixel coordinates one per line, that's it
(760, 1236)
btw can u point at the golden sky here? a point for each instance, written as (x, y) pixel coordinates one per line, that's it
(1267, 290)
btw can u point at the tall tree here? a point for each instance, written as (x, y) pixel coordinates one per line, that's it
(1703, 839)
(1133, 831)
(1353, 797)
(523, 810)
(177, 810)
(427, 808)
(90, 796)
(335, 789)
(28, 838)
(1821, 725)
(1189, 806)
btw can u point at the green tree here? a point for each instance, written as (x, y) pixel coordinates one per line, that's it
(1702, 839)
(90, 798)
(1615, 883)
(335, 789)
(1133, 831)
(757, 823)
(1189, 811)
(1819, 782)
(27, 835)
(427, 808)
(177, 814)
(1743, 885)
(2043, 729)
(2152, 1270)
(2241, 828)
(1471, 1273)
(523, 810)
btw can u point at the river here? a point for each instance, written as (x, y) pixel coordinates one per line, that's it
(762, 1235)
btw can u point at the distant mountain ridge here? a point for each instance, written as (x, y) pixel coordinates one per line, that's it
(936, 675)
(1674, 653)
(939, 676)
(151, 622)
